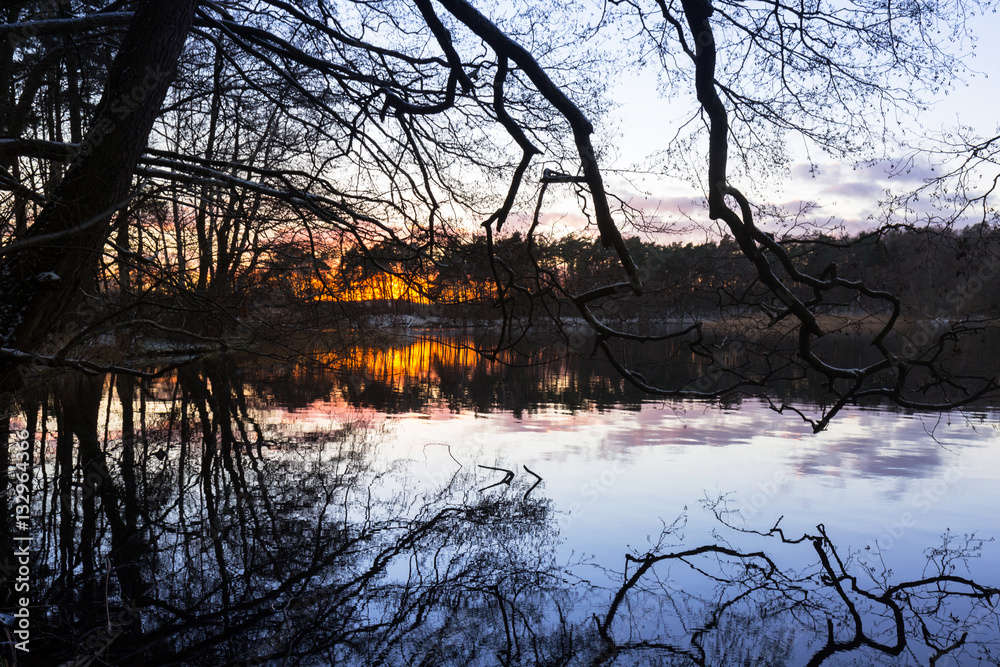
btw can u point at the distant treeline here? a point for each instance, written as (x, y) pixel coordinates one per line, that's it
(936, 273)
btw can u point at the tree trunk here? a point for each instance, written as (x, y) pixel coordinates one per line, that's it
(41, 278)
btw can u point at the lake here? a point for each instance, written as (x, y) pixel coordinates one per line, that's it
(412, 503)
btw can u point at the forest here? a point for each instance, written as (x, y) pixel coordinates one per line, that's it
(215, 211)
(217, 173)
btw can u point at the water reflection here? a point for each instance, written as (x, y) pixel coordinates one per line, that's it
(199, 537)
(232, 514)
(409, 371)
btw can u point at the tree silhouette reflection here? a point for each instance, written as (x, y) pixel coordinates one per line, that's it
(835, 611)
(184, 531)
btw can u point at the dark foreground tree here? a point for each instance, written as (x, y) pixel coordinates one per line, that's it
(45, 268)
(301, 137)
(257, 543)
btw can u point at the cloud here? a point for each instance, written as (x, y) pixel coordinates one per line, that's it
(902, 172)
(824, 194)
(669, 208)
(866, 190)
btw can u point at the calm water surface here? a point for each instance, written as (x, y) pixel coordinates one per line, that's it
(281, 515)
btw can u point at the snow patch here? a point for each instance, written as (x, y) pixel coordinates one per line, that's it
(47, 277)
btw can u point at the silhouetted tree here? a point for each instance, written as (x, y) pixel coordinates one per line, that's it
(323, 136)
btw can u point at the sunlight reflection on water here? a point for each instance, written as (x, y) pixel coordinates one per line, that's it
(613, 474)
(406, 441)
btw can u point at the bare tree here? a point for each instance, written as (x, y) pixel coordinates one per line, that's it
(761, 71)
(43, 271)
(300, 135)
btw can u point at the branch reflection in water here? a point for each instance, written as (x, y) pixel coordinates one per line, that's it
(176, 525)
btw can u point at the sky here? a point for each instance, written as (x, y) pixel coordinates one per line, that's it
(848, 193)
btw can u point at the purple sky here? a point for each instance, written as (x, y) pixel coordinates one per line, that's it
(846, 192)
